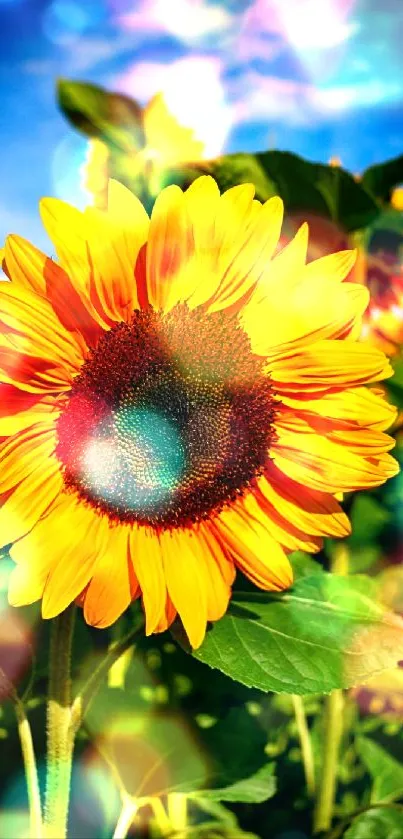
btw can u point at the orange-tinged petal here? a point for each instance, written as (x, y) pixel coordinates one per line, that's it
(325, 465)
(328, 364)
(25, 453)
(169, 250)
(30, 323)
(216, 573)
(287, 534)
(25, 264)
(245, 531)
(113, 585)
(147, 562)
(98, 255)
(114, 239)
(183, 556)
(72, 535)
(168, 617)
(356, 406)
(36, 271)
(30, 500)
(249, 254)
(317, 513)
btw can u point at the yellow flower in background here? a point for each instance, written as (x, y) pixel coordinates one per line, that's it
(167, 143)
(178, 402)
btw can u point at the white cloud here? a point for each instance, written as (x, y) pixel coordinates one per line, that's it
(193, 91)
(188, 20)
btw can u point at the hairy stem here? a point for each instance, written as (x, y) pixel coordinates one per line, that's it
(28, 756)
(60, 739)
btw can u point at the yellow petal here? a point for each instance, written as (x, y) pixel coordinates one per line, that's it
(313, 309)
(113, 585)
(146, 557)
(317, 513)
(334, 266)
(326, 364)
(360, 406)
(324, 465)
(249, 253)
(29, 501)
(187, 581)
(169, 250)
(245, 531)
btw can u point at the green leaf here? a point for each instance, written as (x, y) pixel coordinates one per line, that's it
(253, 790)
(321, 634)
(381, 179)
(159, 752)
(229, 170)
(386, 772)
(368, 519)
(377, 824)
(304, 566)
(329, 191)
(112, 117)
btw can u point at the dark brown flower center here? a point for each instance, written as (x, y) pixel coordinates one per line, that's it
(170, 419)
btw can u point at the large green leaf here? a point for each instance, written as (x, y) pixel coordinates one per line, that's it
(258, 787)
(322, 634)
(386, 772)
(380, 180)
(112, 117)
(377, 824)
(329, 191)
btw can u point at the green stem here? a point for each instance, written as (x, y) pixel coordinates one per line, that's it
(177, 810)
(89, 690)
(126, 818)
(28, 755)
(60, 739)
(327, 787)
(305, 743)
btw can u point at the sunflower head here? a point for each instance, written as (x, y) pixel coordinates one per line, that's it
(179, 401)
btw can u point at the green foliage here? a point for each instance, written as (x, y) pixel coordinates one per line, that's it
(253, 790)
(379, 180)
(158, 751)
(327, 191)
(386, 772)
(377, 824)
(322, 634)
(112, 117)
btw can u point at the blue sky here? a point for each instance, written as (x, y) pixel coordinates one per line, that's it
(318, 77)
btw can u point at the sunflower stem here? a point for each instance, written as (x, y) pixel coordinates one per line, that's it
(60, 734)
(333, 728)
(177, 810)
(327, 789)
(126, 818)
(28, 755)
(305, 743)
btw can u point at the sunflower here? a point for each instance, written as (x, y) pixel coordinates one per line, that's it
(166, 143)
(178, 402)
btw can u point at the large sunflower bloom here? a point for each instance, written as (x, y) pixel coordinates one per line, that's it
(177, 403)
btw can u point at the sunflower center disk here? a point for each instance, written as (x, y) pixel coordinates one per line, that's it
(170, 419)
